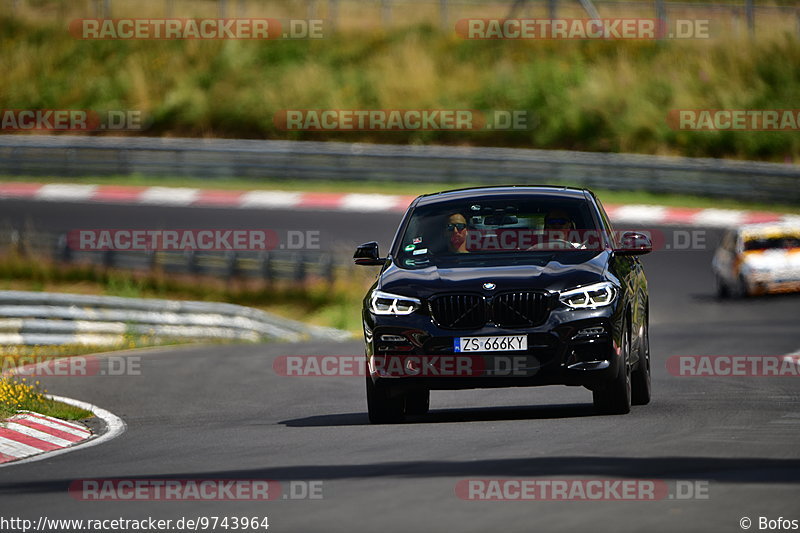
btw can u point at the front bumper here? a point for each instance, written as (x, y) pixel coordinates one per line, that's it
(411, 352)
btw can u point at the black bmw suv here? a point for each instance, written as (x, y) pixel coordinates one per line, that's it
(506, 287)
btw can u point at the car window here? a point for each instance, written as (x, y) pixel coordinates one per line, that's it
(512, 227)
(607, 221)
(772, 242)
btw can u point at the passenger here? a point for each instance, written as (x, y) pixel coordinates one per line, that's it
(558, 231)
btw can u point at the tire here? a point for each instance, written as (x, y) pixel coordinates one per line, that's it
(640, 378)
(381, 407)
(722, 289)
(418, 402)
(615, 397)
(741, 288)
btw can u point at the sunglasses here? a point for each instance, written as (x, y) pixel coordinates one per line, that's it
(459, 227)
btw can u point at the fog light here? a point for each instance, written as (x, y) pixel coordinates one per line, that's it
(590, 332)
(393, 338)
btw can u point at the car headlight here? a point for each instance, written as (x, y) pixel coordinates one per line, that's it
(385, 303)
(595, 295)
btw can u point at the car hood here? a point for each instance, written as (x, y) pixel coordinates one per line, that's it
(549, 274)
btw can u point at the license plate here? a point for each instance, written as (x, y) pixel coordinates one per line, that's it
(505, 343)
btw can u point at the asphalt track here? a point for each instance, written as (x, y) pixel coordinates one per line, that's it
(221, 412)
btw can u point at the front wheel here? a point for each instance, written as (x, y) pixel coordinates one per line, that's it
(640, 378)
(722, 288)
(381, 406)
(742, 288)
(418, 402)
(615, 398)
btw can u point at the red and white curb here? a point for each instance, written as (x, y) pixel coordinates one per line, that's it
(29, 436)
(346, 202)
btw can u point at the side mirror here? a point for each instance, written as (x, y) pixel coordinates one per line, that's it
(367, 254)
(634, 243)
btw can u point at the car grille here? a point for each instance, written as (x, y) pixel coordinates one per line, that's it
(509, 310)
(519, 309)
(458, 311)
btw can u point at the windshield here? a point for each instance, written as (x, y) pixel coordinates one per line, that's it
(512, 230)
(773, 242)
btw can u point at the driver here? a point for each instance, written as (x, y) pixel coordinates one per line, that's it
(456, 232)
(558, 230)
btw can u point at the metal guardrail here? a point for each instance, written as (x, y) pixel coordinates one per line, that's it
(63, 155)
(278, 265)
(54, 318)
(35, 318)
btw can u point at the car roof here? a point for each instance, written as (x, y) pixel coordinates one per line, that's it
(766, 229)
(502, 190)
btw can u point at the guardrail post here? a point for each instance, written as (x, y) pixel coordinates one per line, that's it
(661, 16)
(230, 265)
(328, 271)
(191, 261)
(386, 13)
(443, 13)
(267, 270)
(63, 251)
(299, 263)
(17, 244)
(223, 8)
(797, 16)
(750, 13)
(333, 11)
(152, 260)
(108, 258)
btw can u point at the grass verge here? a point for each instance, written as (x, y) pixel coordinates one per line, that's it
(20, 394)
(606, 96)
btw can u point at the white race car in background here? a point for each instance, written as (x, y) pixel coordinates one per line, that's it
(758, 259)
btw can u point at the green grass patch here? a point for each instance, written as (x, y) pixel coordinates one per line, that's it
(609, 96)
(21, 394)
(61, 410)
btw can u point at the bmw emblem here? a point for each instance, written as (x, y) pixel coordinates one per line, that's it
(489, 286)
